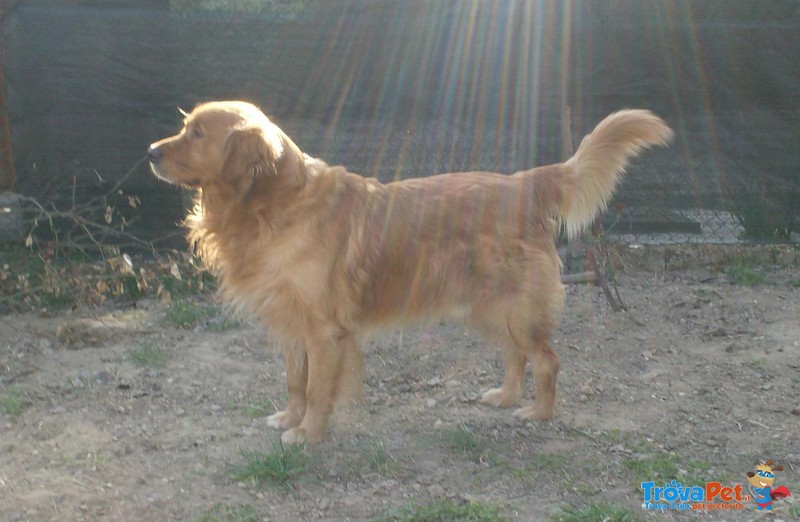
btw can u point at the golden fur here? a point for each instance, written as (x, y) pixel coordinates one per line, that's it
(324, 256)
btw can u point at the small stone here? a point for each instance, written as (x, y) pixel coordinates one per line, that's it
(430, 403)
(436, 490)
(103, 377)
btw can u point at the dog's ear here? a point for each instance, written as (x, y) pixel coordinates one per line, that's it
(750, 474)
(248, 155)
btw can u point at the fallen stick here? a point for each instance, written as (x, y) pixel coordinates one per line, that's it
(582, 277)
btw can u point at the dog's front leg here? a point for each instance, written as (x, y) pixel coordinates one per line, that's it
(295, 359)
(325, 361)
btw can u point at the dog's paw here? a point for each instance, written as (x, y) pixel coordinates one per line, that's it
(534, 412)
(294, 436)
(283, 420)
(498, 399)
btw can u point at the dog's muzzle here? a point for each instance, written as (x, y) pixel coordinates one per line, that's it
(154, 154)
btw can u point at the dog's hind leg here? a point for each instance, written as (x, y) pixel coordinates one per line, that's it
(511, 390)
(296, 361)
(524, 338)
(545, 364)
(350, 382)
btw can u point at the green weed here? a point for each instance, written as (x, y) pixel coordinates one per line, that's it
(228, 513)
(13, 403)
(379, 460)
(542, 464)
(664, 467)
(92, 461)
(187, 314)
(260, 407)
(445, 509)
(148, 354)
(595, 513)
(660, 468)
(744, 275)
(281, 467)
(462, 439)
(223, 322)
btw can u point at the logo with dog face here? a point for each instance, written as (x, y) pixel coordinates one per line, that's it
(761, 481)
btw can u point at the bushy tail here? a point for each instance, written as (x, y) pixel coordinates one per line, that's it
(593, 172)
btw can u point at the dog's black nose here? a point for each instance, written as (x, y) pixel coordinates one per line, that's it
(154, 154)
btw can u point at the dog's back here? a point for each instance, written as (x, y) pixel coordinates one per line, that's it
(447, 244)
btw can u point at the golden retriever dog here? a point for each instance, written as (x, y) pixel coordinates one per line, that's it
(324, 257)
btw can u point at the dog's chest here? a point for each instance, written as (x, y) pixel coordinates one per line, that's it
(277, 281)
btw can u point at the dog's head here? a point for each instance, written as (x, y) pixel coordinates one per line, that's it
(231, 143)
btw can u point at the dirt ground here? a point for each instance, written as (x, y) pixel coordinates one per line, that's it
(116, 413)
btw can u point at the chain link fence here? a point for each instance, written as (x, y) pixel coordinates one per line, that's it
(408, 89)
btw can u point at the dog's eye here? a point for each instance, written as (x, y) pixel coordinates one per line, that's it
(196, 133)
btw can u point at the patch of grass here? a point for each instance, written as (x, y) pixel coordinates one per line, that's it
(222, 322)
(280, 467)
(260, 407)
(462, 439)
(368, 456)
(595, 513)
(533, 468)
(582, 489)
(631, 441)
(550, 462)
(222, 512)
(445, 509)
(663, 467)
(379, 460)
(187, 314)
(757, 363)
(659, 468)
(147, 354)
(694, 472)
(744, 275)
(794, 511)
(13, 403)
(92, 461)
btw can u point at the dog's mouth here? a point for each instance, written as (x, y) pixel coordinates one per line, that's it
(157, 173)
(154, 170)
(191, 183)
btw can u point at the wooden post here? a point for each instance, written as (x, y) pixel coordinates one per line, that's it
(7, 172)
